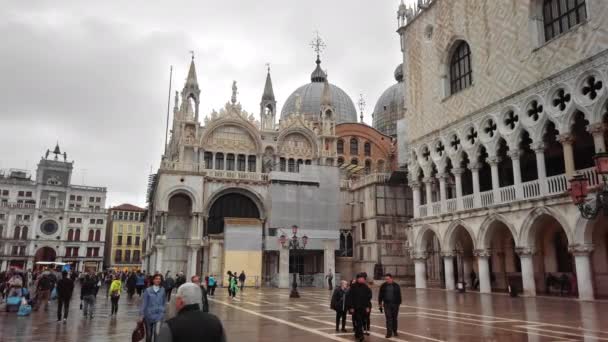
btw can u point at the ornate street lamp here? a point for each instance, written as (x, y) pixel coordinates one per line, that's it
(579, 189)
(294, 244)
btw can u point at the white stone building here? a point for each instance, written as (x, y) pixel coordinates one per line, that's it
(49, 218)
(506, 101)
(229, 187)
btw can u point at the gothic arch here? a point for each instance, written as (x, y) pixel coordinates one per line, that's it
(485, 231)
(448, 240)
(526, 236)
(242, 190)
(179, 190)
(242, 124)
(421, 239)
(568, 118)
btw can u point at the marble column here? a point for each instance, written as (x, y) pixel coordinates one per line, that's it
(428, 183)
(215, 259)
(420, 269)
(329, 258)
(567, 141)
(539, 150)
(159, 259)
(495, 178)
(192, 260)
(416, 197)
(483, 265)
(458, 180)
(443, 197)
(476, 188)
(519, 194)
(526, 257)
(283, 268)
(584, 273)
(448, 266)
(597, 131)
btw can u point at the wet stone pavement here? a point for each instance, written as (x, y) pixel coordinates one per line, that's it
(269, 315)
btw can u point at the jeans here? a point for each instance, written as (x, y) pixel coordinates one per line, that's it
(330, 283)
(89, 305)
(65, 305)
(151, 330)
(114, 300)
(391, 313)
(212, 290)
(340, 315)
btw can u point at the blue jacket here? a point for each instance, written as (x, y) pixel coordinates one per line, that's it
(153, 305)
(140, 281)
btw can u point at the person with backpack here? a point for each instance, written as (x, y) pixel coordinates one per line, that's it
(65, 287)
(43, 291)
(87, 295)
(169, 285)
(212, 285)
(338, 304)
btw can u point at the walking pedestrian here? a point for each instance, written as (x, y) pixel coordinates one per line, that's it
(389, 299)
(65, 287)
(330, 279)
(43, 291)
(131, 282)
(180, 280)
(338, 304)
(204, 301)
(212, 285)
(169, 284)
(358, 301)
(152, 309)
(87, 295)
(191, 324)
(232, 285)
(140, 283)
(242, 278)
(115, 289)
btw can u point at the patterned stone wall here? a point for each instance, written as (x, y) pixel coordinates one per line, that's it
(508, 55)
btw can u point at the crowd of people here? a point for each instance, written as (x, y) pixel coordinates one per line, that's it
(175, 322)
(356, 299)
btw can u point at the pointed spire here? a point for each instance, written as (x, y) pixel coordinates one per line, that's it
(268, 91)
(318, 75)
(192, 80)
(326, 95)
(57, 150)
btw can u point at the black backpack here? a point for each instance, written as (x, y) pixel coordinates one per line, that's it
(44, 283)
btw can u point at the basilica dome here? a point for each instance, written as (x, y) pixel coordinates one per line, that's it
(390, 106)
(310, 97)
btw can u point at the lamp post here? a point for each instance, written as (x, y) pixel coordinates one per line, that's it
(579, 189)
(294, 244)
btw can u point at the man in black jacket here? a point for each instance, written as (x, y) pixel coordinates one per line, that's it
(65, 287)
(389, 299)
(191, 324)
(358, 301)
(205, 302)
(88, 292)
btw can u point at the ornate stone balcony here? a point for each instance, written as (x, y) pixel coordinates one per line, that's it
(236, 175)
(551, 186)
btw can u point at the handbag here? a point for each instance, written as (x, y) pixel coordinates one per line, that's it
(13, 300)
(139, 333)
(54, 294)
(24, 310)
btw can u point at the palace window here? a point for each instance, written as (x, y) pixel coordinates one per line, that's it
(135, 256)
(354, 146)
(77, 235)
(118, 255)
(241, 162)
(98, 235)
(341, 146)
(70, 234)
(367, 149)
(560, 16)
(127, 256)
(219, 161)
(91, 235)
(251, 164)
(292, 165)
(230, 162)
(283, 164)
(208, 160)
(461, 74)
(137, 241)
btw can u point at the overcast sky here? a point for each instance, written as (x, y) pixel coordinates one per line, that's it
(94, 75)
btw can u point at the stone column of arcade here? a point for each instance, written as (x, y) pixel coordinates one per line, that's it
(584, 275)
(527, 271)
(329, 258)
(483, 257)
(284, 268)
(420, 269)
(159, 259)
(193, 260)
(448, 265)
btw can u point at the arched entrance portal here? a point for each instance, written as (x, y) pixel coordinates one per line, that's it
(233, 205)
(434, 267)
(46, 254)
(461, 245)
(504, 261)
(179, 221)
(553, 263)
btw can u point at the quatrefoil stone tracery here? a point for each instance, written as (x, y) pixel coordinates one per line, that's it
(490, 128)
(535, 109)
(511, 120)
(592, 87)
(561, 100)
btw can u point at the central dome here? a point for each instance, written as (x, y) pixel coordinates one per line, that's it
(310, 97)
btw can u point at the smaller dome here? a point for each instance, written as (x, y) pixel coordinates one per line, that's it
(399, 73)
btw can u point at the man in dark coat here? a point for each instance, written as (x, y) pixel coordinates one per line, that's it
(205, 302)
(65, 287)
(191, 323)
(87, 295)
(389, 299)
(359, 303)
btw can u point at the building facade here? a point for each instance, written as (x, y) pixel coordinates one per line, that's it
(124, 237)
(230, 187)
(505, 102)
(49, 218)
